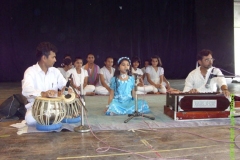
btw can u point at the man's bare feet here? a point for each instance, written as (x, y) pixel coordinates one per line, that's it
(174, 91)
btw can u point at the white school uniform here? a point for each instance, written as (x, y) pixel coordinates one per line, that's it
(155, 77)
(141, 89)
(107, 76)
(78, 79)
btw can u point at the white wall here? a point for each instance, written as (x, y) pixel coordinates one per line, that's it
(237, 37)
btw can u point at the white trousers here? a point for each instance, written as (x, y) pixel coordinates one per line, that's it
(144, 89)
(161, 90)
(101, 90)
(88, 88)
(29, 118)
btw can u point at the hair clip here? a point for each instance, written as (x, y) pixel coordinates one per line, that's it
(119, 60)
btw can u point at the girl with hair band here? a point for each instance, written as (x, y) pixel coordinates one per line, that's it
(67, 64)
(80, 78)
(121, 95)
(155, 74)
(137, 73)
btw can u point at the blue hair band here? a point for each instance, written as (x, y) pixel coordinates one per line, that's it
(119, 60)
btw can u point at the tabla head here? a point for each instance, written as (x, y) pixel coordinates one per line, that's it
(69, 97)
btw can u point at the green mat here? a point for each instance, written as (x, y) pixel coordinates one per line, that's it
(97, 119)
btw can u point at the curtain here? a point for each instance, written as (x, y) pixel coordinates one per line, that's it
(116, 28)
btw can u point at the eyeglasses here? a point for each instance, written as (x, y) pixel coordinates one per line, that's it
(209, 59)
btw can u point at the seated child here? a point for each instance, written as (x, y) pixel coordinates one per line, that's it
(146, 63)
(155, 75)
(67, 64)
(105, 74)
(137, 73)
(92, 69)
(80, 78)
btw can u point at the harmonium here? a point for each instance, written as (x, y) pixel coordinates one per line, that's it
(186, 106)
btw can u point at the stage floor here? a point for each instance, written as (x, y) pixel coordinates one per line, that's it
(198, 143)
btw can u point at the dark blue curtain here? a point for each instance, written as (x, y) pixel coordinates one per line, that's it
(103, 27)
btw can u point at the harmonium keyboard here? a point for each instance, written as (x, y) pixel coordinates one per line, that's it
(186, 106)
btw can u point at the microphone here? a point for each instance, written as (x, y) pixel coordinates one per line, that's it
(67, 86)
(207, 85)
(128, 72)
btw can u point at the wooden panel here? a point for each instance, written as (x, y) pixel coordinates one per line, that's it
(169, 112)
(195, 114)
(237, 104)
(202, 114)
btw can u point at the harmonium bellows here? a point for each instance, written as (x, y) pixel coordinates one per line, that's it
(196, 106)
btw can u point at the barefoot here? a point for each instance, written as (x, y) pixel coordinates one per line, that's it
(174, 91)
(105, 110)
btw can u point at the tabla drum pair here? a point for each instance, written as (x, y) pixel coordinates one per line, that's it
(50, 112)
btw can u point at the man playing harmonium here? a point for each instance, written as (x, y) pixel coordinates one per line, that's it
(205, 78)
(42, 79)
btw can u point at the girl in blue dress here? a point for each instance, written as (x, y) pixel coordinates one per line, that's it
(121, 95)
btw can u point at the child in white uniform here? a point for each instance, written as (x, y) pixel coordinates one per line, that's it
(155, 75)
(80, 78)
(105, 75)
(137, 73)
(67, 64)
(146, 63)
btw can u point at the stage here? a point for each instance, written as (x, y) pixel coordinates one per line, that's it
(162, 138)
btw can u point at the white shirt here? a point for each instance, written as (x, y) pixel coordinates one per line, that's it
(195, 80)
(143, 70)
(138, 71)
(36, 81)
(106, 74)
(78, 79)
(155, 75)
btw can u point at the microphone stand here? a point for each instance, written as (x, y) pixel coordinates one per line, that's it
(233, 76)
(136, 113)
(82, 128)
(213, 75)
(225, 76)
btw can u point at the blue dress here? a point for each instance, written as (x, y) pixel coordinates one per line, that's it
(122, 102)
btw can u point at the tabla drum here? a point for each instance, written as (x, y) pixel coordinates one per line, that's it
(48, 112)
(73, 109)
